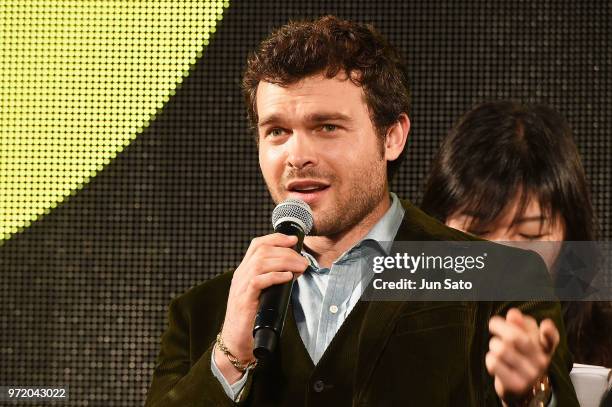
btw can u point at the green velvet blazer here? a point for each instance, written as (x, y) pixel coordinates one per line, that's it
(384, 354)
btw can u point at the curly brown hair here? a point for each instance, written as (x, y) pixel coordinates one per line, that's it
(330, 45)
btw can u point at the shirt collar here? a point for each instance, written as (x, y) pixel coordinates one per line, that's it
(386, 228)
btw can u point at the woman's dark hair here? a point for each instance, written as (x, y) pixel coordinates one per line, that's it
(330, 45)
(500, 149)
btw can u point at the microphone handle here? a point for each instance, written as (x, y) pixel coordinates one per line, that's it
(273, 304)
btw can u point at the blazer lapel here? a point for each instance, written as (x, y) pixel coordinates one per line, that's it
(379, 320)
(378, 323)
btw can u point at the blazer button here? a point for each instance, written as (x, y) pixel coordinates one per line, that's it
(318, 386)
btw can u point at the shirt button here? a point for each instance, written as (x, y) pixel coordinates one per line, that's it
(333, 309)
(318, 386)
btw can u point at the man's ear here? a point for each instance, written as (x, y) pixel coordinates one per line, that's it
(396, 137)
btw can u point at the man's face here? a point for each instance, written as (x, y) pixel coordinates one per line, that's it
(317, 143)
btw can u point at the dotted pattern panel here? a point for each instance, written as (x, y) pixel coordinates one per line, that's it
(79, 80)
(84, 290)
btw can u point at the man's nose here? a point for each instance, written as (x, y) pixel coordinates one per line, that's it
(301, 151)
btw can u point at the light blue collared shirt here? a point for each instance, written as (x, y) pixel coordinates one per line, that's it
(322, 298)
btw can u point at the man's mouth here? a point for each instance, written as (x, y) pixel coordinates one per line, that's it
(306, 186)
(309, 191)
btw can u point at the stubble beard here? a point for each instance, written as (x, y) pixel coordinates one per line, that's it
(348, 210)
(345, 211)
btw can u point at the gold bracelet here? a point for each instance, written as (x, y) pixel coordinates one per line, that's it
(241, 367)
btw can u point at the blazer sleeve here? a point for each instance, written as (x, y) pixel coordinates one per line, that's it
(561, 363)
(176, 380)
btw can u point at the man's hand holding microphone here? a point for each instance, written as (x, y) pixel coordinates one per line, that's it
(271, 260)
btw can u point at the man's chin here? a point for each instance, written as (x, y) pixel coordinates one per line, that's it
(328, 226)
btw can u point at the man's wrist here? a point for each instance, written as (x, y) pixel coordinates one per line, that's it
(538, 396)
(229, 371)
(241, 364)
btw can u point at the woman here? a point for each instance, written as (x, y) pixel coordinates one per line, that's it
(510, 172)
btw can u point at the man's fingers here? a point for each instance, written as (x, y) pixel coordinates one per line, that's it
(289, 262)
(274, 239)
(515, 316)
(264, 244)
(514, 360)
(549, 336)
(264, 281)
(506, 380)
(510, 333)
(268, 252)
(271, 271)
(519, 351)
(522, 321)
(530, 326)
(293, 262)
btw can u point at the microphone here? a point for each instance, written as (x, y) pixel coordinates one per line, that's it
(291, 217)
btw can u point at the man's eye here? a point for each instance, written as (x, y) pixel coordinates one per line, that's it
(275, 132)
(329, 127)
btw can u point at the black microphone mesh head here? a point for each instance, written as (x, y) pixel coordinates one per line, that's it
(294, 210)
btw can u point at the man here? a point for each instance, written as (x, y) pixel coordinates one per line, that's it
(329, 100)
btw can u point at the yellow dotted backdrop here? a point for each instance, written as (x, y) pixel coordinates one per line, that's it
(79, 80)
